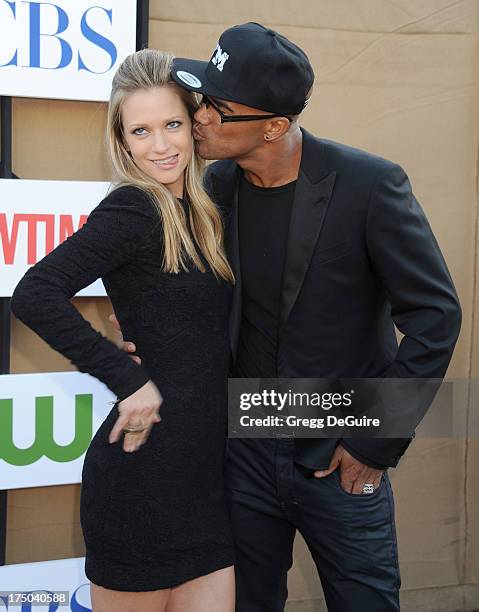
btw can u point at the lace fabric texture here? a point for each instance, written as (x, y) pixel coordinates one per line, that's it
(157, 517)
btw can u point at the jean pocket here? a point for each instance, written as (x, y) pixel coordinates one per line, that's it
(337, 480)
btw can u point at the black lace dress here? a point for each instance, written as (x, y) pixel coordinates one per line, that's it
(154, 518)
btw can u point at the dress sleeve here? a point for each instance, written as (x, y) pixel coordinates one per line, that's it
(111, 236)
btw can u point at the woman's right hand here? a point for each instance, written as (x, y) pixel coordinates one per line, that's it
(138, 411)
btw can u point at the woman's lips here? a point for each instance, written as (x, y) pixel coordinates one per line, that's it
(166, 164)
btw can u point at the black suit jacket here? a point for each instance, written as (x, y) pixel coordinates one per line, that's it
(360, 258)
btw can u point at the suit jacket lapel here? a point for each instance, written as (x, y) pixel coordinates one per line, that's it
(222, 183)
(233, 252)
(313, 192)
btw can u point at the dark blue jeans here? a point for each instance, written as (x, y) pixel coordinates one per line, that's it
(352, 538)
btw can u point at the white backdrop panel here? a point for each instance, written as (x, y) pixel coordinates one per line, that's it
(36, 216)
(47, 422)
(63, 575)
(64, 49)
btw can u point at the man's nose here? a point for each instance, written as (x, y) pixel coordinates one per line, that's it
(202, 115)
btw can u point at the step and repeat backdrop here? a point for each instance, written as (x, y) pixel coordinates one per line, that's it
(55, 50)
(35, 217)
(62, 49)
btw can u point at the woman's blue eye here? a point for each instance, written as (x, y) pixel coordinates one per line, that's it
(174, 124)
(138, 130)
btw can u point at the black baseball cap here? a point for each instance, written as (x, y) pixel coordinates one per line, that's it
(251, 65)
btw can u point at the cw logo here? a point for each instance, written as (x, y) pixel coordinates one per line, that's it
(44, 443)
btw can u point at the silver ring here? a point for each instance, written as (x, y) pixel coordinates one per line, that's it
(368, 488)
(134, 430)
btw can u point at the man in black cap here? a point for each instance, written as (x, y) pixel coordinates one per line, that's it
(330, 249)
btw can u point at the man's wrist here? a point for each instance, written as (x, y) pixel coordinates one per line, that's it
(354, 453)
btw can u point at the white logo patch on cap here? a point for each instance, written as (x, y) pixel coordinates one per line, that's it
(189, 78)
(219, 58)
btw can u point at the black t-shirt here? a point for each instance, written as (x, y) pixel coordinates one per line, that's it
(264, 215)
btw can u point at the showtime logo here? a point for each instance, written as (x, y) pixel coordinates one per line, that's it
(42, 233)
(64, 49)
(37, 216)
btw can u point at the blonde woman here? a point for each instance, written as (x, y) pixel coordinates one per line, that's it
(152, 507)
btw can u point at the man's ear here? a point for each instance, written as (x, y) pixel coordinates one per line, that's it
(275, 128)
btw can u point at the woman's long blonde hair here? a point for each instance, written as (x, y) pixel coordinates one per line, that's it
(146, 69)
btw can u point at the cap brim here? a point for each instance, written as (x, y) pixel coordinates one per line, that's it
(191, 74)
